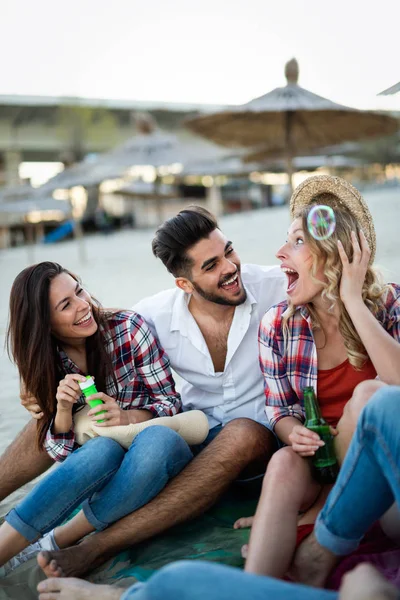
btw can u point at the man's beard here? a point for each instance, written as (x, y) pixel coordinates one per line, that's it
(218, 299)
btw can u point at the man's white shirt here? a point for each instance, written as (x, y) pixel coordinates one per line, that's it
(239, 390)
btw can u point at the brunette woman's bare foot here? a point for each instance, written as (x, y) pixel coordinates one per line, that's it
(243, 523)
(76, 589)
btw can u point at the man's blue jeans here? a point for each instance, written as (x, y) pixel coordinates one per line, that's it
(369, 480)
(192, 580)
(109, 481)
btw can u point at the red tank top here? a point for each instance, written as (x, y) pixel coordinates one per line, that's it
(335, 388)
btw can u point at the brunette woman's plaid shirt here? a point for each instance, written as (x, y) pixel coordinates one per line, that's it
(288, 370)
(142, 373)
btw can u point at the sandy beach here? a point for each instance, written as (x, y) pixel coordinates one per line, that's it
(120, 269)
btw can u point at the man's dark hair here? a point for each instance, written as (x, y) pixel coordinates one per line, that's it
(177, 235)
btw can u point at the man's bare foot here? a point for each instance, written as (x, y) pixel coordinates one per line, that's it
(312, 563)
(76, 589)
(49, 565)
(243, 523)
(68, 562)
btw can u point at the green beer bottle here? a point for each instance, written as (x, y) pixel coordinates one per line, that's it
(326, 467)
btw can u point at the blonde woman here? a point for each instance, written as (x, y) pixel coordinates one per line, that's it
(338, 331)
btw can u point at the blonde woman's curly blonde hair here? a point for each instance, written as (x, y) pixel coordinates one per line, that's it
(326, 251)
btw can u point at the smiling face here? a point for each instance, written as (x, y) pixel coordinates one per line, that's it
(71, 315)
(297, 262)
(215, 271)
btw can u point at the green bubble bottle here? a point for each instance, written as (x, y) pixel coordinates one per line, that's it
(88, 388)
(326, 467)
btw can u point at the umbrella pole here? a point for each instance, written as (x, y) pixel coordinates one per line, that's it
(289, 115)
(289, 168)
(77, 233)
(159, 201)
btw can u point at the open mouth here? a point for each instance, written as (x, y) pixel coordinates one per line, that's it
(85, 321)
(293, 278)
(231, 284)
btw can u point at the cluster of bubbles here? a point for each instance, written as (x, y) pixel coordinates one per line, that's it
(321, 222)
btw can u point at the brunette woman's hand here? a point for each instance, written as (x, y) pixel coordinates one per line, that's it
(68, 392)
(304, 441)
(353, 273)
(113, 415)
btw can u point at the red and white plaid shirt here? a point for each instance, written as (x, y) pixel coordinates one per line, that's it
(289, 369)
(141, 370)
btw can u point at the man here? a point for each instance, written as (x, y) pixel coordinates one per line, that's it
(367, 485)
(208, 327)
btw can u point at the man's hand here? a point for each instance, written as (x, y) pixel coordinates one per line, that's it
(29, 402)
(366, 583)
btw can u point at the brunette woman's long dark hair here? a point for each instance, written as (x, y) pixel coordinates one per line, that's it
(33, 347)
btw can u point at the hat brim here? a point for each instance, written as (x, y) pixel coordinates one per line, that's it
(345, 195)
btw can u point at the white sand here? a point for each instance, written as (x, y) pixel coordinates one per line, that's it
(121, 269)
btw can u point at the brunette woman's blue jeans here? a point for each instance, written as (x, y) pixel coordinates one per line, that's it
(108, 481)
(369, 480)
(195, 580)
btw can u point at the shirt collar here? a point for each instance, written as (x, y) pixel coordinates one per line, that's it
(181, 313)
(305, 313)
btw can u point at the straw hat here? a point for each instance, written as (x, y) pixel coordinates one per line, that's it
(312, 191)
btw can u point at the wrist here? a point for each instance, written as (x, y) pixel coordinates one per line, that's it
(353, 304)
(64, 410)
(139, 415)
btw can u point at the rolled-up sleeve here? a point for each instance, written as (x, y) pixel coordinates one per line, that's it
(392, 323)
(59, 445)
(280, 399)
(153, 368)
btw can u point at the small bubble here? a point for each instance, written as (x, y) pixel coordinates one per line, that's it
(321, 222)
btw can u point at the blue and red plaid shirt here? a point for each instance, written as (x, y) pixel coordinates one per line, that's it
(142, 374)
(289, 368)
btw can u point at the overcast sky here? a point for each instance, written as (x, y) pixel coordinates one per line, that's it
(211, 51)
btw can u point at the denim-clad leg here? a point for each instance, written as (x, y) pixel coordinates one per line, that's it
(156, 455)
(369, 480)
(193, 580)
(54, 498)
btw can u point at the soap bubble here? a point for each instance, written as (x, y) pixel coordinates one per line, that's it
(321, 222)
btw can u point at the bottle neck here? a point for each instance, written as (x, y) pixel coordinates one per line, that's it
(311, 407)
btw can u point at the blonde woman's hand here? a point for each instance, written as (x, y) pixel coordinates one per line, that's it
(29, 402)
(304, 441)
(68, 392)
(353, 273)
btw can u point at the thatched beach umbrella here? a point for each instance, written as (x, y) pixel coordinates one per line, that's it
(394, 89)
(86, 173)
(155, 148)
(149, 147)
(289, 121)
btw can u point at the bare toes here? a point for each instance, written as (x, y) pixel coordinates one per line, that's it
(243, 523)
